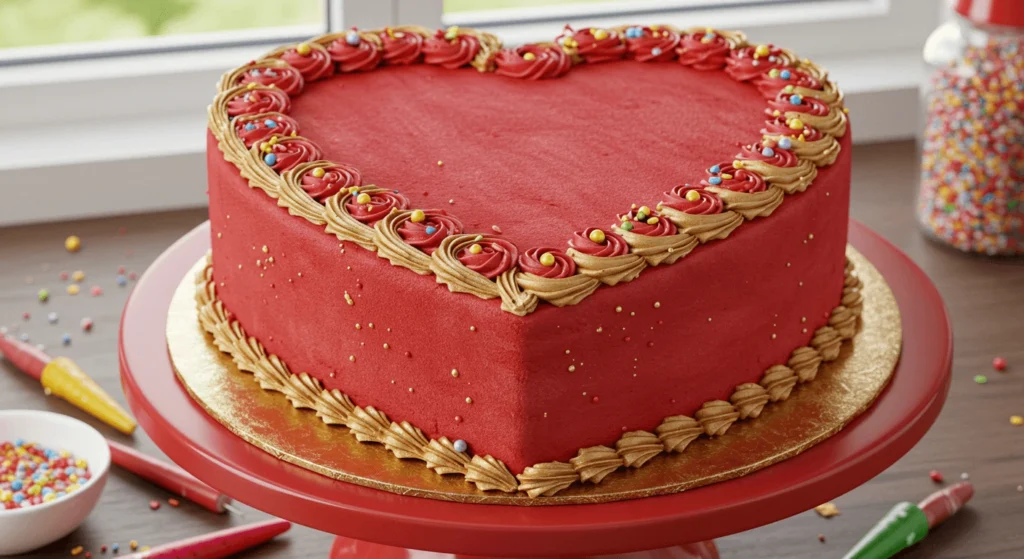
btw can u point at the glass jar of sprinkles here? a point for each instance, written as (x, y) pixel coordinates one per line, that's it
(972, 148)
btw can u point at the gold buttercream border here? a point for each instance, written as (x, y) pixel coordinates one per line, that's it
(633, 449)
(521, 298)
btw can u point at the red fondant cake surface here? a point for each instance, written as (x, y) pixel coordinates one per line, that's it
(531, 164)
(540, 159)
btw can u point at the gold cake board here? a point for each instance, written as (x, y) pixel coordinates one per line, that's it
(814, 411)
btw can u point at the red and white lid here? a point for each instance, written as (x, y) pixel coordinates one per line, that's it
(992, 12)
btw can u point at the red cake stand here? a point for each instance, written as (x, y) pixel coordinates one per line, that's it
(373, 524)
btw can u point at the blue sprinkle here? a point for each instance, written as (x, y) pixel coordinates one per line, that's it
(61, 494)
(19, 442)
(430, 230)
(47, 490)
(269, 123)
(270, 159)
(715, 180)
(18, 498)
(250, 126)
(634, 32)
(767, 152)
(715, 170)
(69, 470)
(655, 51)
(255, 71)
(785, 143)
(17, 485)
(122, 281)
(352, 38)
(709, 36)
(785, 74)
(795, 99)
(460, 446)
(23, 337)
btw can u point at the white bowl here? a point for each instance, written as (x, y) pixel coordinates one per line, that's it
(29, 528)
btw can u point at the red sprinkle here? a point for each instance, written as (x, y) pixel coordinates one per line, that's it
(26, 315)
(821, 538)
(173, 502)
(595, 399)
(153, 505)
(936, 476)
(64, 276)
(120, 270)
(132, 276)
(999, 364)
(88, 555)
(103, 549)
(96, 291)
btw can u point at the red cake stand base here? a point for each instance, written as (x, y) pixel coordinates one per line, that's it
(378, 525)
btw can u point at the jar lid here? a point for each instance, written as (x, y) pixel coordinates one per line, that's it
(992, 12)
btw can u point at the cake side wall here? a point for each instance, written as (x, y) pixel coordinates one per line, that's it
(515, 369)
(690, 332)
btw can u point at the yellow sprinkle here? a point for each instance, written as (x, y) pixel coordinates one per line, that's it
(303, 49)
(133, 544)
(529, 56)
(618, 309)
(73, 289)
(597, 236)
(353, 190)
(796, 124)
(737, 164)
(440, 163)
(72, 243)
(455, 373)
(319, 172)
(726, 176)
(77, 550)
(475, 249)
(762, 50)
(363, 198)
(352, 358)
(773, 73)
(417, 216)
(78, 275)
(265, 249)
(547, 259)
(788, 89)
(252, 85)
(572, 368)
(652, 221)
(348, 299)
(600, 34)
(1016, 420)
(693, 196)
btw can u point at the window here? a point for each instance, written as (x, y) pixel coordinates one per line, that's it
(30, 32)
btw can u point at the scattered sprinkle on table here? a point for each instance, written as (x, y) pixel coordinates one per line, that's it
(77, 550)
(31, 474)
(78, 276)
(96, 291)
(999, 364)
(154, 505)
(964, 476)
(173, 502)
(133, 544)
(1016, 420)
(821, 538)
(980, 379)
(827, 510)
(121, 280)
(65, 339)
(26, 316)
(86, 324)
(43, 295)
(115, 547)
(936, 476)
(73, 243)
(64, 276)
(52, 318)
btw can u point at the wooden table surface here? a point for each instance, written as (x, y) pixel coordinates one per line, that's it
(985, 298)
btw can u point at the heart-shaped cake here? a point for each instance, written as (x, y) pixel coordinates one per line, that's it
(530, 266)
